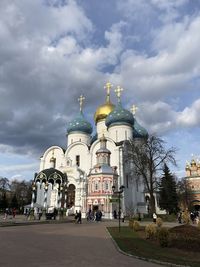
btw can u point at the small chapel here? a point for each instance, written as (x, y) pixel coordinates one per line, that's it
(82, 175)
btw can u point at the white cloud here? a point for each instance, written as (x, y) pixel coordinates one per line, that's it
(189, 117)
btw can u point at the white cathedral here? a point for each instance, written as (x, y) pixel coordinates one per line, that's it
(82, 175)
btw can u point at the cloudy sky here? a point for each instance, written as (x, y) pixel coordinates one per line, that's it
(51, 51)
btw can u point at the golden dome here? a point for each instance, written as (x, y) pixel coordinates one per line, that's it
(103, 111)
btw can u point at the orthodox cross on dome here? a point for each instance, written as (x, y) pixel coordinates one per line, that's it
(134, 109)
(80, 100)
(108, 87)
(118, 91)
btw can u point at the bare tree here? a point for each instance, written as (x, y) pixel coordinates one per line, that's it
(146, 159)
(4, 184)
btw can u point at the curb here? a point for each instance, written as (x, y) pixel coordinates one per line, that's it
(27, 223)
(143, 258)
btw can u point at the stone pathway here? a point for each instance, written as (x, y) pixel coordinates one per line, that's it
(56, 245)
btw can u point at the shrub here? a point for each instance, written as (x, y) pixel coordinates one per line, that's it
(186, 217)
(150, 231)
(163, 236)
(159, 222)
(131, 221)
(136, 226)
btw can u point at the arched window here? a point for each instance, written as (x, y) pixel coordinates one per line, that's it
(71, 195)
(96, 186)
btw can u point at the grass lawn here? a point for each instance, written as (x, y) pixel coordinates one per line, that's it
(132, 243)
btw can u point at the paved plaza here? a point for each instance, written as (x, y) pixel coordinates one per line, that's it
(65, 244)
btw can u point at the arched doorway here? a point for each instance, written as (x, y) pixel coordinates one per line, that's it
(71, 196)
(195, 205)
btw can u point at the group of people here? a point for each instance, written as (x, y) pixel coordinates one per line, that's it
(11, 212)
(94, 215)
(194, 217)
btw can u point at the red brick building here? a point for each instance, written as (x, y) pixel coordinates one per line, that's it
(193, 183)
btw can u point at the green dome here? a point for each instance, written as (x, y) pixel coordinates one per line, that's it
(119, 116)
(79, 124)
(139, 131)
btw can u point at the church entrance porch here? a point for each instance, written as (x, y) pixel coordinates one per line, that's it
(95, 208)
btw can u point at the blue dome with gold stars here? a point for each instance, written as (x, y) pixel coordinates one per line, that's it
(139, 131)
(79, 124)
(119, 116)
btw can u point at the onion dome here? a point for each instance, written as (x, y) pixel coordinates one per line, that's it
(79, 124)
(105, 109)
(193, 163)
(119, 116)
(139, 131)
(187, 166)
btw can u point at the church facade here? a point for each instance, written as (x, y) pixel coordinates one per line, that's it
(82, 175)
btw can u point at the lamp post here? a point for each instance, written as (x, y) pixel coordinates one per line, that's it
(32, 201)
(33, 194)
(45, 198)
(119, 192)
(60, 208)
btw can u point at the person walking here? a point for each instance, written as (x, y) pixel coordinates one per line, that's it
(14, 212)
(115, 214)
(6, 213)
(154, 217)
(79, 219)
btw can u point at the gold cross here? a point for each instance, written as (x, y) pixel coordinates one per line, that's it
(133, 109)
(80, 100)
(108, 87)
(118, 91)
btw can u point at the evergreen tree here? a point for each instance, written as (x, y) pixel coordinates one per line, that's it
(14, 202)
(168, 193)
(3, 202)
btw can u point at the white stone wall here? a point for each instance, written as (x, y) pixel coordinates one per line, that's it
(82, 150)
(101, 129)
(78, 137)
(120, 132)
(55, 151)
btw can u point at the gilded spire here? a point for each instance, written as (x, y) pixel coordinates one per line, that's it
(80, 100)
(118, 91)
(108, 87)
(134, 109)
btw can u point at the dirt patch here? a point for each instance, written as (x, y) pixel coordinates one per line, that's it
(186, 237)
